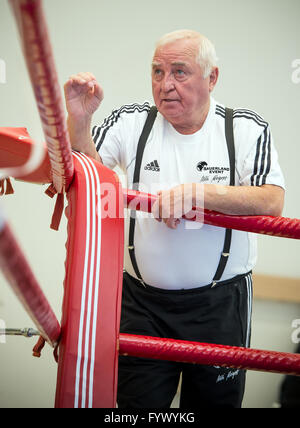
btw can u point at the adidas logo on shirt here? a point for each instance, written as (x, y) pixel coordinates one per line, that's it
(153, 166)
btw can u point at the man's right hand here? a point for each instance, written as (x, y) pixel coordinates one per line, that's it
(83, 96)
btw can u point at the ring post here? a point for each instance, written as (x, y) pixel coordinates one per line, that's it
(88, 350)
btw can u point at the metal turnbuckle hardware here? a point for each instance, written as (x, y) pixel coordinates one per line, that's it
(25, 332)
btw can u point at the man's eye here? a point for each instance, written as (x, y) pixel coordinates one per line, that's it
(180, 72)
(157, 73)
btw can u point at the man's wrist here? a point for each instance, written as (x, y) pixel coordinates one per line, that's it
(198, 195)
(79, 124)
(80, 133)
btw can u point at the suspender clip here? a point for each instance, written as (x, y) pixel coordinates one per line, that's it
(142, 282)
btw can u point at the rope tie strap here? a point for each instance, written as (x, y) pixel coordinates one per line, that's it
(36, 352)
(58, 208)
(6, 187)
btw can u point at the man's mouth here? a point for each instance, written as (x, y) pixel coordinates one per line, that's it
(167, 100)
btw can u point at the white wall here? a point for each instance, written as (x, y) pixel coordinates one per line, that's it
(256, 43)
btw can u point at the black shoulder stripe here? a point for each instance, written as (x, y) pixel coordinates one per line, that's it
(268, 166)
(262, 161)
(249, 116)
(128, 108)
(220, 108)
(256, 161)
(220, 111)
(100, 131)
(220, 114)
(243, 113)
(95, 132)
(251, 113)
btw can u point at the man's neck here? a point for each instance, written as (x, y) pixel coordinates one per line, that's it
(194, 124)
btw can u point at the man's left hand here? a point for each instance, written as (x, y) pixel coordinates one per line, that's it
(173, 204)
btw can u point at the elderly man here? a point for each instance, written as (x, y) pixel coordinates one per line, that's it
(183, 282)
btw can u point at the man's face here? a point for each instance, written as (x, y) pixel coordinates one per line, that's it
(179, 90)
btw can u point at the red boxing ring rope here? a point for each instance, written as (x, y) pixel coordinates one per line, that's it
(41, 67)
(209, 354)
(20, 276)
(267, 225)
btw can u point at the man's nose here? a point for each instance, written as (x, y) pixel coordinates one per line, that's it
(168, 83)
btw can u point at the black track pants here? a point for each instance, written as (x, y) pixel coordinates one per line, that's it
(220, 315)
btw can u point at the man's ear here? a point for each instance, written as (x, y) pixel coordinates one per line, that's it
(213, 78)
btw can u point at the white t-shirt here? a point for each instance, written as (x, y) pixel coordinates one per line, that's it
(188, 256)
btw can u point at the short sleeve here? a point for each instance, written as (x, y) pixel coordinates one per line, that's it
(260, 165)
(116, 139)
(108, 139)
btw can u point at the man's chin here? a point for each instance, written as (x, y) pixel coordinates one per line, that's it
(170, 111)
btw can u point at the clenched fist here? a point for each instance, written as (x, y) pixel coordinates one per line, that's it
(83, 96)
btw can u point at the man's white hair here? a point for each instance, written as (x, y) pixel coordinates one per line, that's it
(206, 58)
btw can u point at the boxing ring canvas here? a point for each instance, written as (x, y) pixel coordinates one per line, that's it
(87, 340)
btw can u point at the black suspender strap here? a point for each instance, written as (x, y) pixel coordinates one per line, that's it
(136, 180)
(230, 143)
(231, 153)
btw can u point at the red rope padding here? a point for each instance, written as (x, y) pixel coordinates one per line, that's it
(209, 354)
(20, 276)
(41, 67)
(91, 310)
(267, 225)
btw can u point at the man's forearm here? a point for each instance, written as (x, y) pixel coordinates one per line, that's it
(242, 200)
(81, 139)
